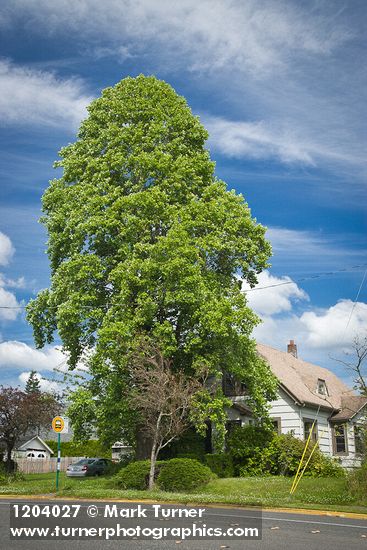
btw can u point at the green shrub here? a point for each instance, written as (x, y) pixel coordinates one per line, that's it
(16, 476)
(289, 449)
(257, 451)
(7, 479)
(183, 474)
(115, 467)
(253, 467)
(247, 445)
(326, 466)
(136, 475)
(221, 464)
(357, 482)
(242, 441)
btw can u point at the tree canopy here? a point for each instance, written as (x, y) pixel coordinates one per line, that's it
(144, 239)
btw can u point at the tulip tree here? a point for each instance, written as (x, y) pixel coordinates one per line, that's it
(144, 239)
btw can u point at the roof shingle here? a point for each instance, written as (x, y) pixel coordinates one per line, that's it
(301, 378)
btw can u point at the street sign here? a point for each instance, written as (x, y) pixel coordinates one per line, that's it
(60, 425)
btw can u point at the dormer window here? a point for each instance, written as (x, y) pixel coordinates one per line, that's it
(232, 386)
(321, 387)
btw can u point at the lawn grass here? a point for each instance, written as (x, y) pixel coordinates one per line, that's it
(312, 493)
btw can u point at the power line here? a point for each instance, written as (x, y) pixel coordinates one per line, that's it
(356, 299)
(283, 283)
(310, 277)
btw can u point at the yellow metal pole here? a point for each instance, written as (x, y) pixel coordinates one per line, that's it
(302, 457)
(307, 463)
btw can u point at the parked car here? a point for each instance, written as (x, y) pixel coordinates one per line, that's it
(88, 467)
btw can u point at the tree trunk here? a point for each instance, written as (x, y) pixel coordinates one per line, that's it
(10, 464)
(154, 453)
(153, 460)
(143, 445)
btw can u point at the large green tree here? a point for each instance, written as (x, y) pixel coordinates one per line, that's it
(145, 240)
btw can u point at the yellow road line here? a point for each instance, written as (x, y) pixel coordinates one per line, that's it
(311, 512)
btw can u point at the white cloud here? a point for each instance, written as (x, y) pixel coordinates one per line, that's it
(321, 334)
(277, 332)
(6, 249)
(256, 140)
(257, 35)
(336, 326)
(315, 252)
(12, 283)
(287, 141)
(29, 96)
(122, 52)
(14, 354)
(18, 355)
(8, 300)
(281, 59)
(45, 385)
(298, 242)
(286, 66)
(279, 297)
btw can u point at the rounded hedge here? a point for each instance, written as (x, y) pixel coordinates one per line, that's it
(183, 474)
(136, 475)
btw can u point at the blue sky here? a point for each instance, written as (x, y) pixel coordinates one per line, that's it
(279, 85)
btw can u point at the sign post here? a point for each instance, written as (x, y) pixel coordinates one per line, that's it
(60, 426)
(58, 460)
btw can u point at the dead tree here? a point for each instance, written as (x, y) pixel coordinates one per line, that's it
(163, 398)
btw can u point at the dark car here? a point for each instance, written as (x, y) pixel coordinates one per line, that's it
(88, 467)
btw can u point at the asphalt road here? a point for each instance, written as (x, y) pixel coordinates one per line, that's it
(280, 531)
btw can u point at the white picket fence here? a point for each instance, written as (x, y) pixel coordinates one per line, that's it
(44, 465)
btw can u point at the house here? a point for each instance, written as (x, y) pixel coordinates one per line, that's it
(33, 448)
(120, 450)
(308, 393)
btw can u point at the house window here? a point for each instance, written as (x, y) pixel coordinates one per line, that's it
(321, 387)
(307, 426)
(359, 440)
(276, 425)
(340, 439)
(231, 386)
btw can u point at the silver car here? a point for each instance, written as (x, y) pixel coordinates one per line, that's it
(88, 467)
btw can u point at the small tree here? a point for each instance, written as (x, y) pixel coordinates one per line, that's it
(163, 398)
(33, 384)
(20, 412)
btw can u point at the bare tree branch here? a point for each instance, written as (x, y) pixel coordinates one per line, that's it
(355, 362)
(163, 397)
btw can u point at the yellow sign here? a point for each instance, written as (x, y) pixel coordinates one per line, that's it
(58, 424)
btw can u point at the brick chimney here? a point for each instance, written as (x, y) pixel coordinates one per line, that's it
(292, 348)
